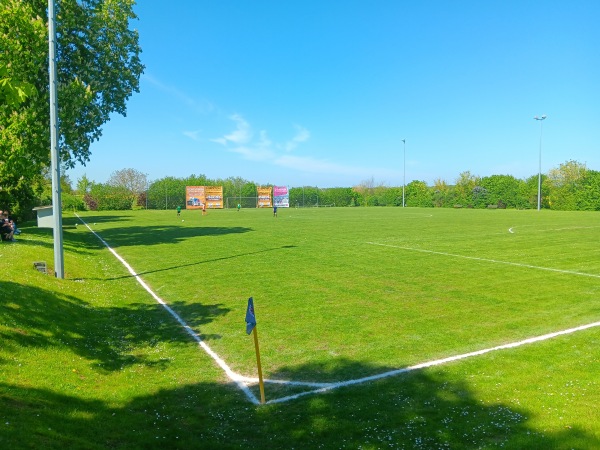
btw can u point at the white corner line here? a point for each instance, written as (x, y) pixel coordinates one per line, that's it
(436, 362)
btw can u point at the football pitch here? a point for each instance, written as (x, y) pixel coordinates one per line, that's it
(345, 294)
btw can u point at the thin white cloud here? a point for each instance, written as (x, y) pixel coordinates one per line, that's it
(243, 141)
(302, 135)
(193, 135)
(313, 165)
(202, 106)
(241, 135)
(259, 151)
(253, 153)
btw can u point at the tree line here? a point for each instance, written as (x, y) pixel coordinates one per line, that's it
(571, 186)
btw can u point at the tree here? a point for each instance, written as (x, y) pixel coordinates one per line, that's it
(418, 194)
(465, 184)
(169, 192)
(565, 184)
(104, 197)
(366, 189)
(232, 186)
(441, 193)
(17, 25)
(24, 50)
(530, 191)
(338, 196)
(84, 185)
(132, 180)
(589, 194)
(13, 92)
(504, 191)
(98, 69)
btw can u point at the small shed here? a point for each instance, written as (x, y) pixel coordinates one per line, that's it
(45, 216)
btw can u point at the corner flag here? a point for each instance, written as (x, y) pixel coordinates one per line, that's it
(250, 318)
(251, 326)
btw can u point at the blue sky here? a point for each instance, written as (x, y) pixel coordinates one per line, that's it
(323, 92)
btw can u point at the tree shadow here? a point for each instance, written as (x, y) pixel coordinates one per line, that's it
(78, 242)
(414, 410)
(105, 336)
(99, 218)
(196, 263)
(417, 409)
(34, 236)
(162, 234)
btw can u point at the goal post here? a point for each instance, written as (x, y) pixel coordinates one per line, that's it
(245, 202)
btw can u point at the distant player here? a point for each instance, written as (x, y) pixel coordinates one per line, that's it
(274, 211)
(204, 208)
(239, 206)
(178, 211)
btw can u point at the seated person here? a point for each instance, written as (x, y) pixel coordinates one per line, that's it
(12, 222)
(6, 229)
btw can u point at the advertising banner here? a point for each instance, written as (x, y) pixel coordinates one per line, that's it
(281, 197)
(214, 196)
(195, 197)
(264, 197)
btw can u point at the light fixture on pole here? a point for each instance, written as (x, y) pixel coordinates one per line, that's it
(539, 203)
(404, 175)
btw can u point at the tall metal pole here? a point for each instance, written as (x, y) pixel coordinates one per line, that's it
(539, 203)
(59, 269)
(404, 176)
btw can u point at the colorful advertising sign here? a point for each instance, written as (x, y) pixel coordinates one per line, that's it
(194, 197)
(214, 196)
(281, 197)
(197, 196)
(264, 197)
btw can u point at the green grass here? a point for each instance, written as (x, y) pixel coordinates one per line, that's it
(92, 361)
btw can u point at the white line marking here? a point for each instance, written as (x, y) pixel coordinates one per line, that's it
(242, 381)
(437, 362)
(511, 229)
(230, 373)
(475, 258)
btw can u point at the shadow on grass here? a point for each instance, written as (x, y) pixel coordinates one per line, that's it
(420, 409)
(162, 234)
(416, 410)
(108, 337)
(82, 242)
(196, 263)
(99, 218)
(72, 241)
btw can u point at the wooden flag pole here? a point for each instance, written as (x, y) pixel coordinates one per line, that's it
(261, 384)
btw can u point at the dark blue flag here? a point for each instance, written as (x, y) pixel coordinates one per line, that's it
(250, 318)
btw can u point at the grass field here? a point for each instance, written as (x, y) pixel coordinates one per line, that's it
(340, 294)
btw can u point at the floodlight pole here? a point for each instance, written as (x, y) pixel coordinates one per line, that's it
(404, 176)
(539, 203)
(59, 269)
